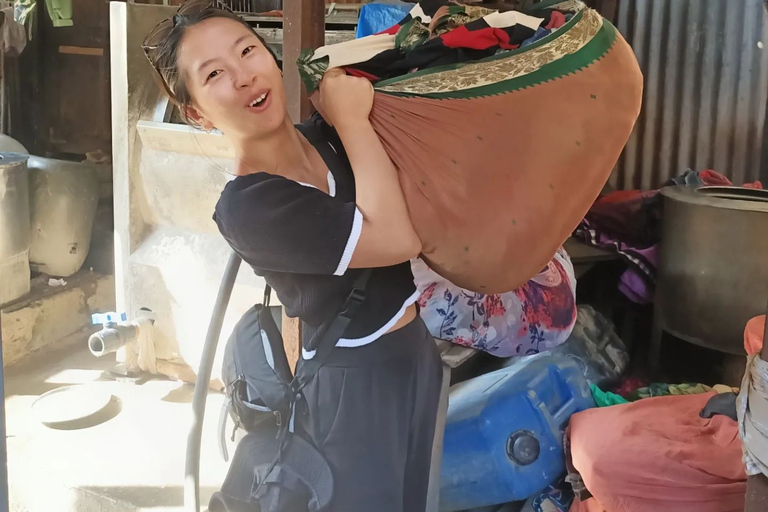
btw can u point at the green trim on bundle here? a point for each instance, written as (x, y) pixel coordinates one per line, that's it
(593, 51)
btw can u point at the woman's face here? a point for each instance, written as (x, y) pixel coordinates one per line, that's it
(233, 80)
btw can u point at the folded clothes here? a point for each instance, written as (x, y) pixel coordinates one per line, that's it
(628, 222)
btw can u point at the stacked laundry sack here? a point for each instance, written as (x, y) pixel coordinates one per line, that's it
(504, 127)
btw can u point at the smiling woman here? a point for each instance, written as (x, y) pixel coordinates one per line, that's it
(165, 57)
(314, 208)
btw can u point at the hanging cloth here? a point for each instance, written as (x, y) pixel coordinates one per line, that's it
(60, 12)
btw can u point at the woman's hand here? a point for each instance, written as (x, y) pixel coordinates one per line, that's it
(343, 100)
(387, 235)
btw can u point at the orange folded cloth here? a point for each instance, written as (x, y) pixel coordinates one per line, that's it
(659, 455)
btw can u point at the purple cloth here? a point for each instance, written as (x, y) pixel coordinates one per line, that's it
(638, 283)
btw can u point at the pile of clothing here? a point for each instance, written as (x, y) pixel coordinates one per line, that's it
(628, 222)
(656, 454)
(676, 448)
(536, 317)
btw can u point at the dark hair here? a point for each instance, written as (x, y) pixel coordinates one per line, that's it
(162, 45)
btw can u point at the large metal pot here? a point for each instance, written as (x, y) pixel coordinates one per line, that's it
(713, 267)
(14, 227)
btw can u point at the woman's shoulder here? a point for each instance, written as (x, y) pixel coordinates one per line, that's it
(251, 194)
(317, 130)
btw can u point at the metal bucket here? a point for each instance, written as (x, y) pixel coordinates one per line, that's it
(713, 265)
(14, 227)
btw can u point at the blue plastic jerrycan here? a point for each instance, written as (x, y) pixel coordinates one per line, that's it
(504, 432)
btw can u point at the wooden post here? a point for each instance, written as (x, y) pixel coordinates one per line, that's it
(303, 27)
(764, 352)
(608, 8)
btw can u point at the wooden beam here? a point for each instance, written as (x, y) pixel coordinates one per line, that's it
(82, 50)
(608, 9)
(303, 27)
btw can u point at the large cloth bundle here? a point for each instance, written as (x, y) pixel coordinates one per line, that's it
(658, 455)
(504, 127)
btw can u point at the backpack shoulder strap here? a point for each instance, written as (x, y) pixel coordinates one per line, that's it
(335, 331)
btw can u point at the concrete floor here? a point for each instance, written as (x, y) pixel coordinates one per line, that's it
(132, 462)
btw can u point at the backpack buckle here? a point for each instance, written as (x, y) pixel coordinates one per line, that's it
(352, 304)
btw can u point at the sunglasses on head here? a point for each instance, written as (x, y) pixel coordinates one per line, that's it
(162, 29)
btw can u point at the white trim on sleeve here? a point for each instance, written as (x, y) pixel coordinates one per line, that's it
(349, 249)
(331, 184)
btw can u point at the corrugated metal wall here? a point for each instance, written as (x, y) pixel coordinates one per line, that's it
(706, 81)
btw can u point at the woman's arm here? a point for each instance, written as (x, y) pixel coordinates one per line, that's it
(387, 236)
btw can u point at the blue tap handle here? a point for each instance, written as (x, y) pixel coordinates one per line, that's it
(107, 318)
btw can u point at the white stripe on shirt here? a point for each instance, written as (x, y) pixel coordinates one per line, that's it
(359, 342)
(367, 340)
(349, 249)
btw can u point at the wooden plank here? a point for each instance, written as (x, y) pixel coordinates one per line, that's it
(340, 15)
(580, 252)
(304, 27)
(180, 138)
(274, 38)
(81, 50)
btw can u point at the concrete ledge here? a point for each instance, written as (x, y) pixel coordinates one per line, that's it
(49, 314)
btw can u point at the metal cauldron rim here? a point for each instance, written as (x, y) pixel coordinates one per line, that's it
(11, 158)
(699, 197)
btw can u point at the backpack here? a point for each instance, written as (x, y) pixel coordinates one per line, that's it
(274, 469)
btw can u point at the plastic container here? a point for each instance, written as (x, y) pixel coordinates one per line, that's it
(504, 432)
(63, 200)
(595, 347)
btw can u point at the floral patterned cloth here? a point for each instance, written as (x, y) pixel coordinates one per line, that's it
(536, 317)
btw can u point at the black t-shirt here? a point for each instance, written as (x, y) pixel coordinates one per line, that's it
(301, 240)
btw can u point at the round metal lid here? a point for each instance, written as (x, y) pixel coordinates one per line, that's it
(75, 407)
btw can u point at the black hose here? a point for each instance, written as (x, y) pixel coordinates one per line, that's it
(192, 467)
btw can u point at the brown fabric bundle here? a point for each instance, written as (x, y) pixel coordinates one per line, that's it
(501, 158)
